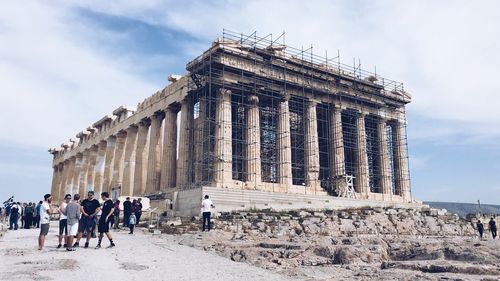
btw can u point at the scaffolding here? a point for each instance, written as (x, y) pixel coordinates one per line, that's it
(253, 66)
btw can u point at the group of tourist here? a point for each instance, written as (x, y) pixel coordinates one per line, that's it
(79, 218)
(27, 213)
(492, 226)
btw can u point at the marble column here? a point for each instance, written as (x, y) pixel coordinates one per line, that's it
(91, 169)
(385, 179)
(118, 160)
(199, 138)
(401, 160)
(283, 140)
(54, 188)
(60, 168)
(223, 168)
(141, 158)
(362, 183)
(69, 177)
(129, 161)
(253, 165)
(108, 164)
(100, 167)
(82, 177)
(184, 161)
(64, 177)
(76, 174)
(337, 157)
(312, 148)
(169, 157)
(154, 154)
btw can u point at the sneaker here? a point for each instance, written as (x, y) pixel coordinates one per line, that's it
(86, 245)
(59, 246)
(70, 249)
(111, 245)
(76, 245)
(98, 246)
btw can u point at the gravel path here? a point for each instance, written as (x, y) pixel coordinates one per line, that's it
(137, 257)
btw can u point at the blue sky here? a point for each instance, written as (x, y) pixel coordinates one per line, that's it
(64, 65)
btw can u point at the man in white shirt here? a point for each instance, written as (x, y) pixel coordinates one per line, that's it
(63, 221)
(44, 220)
(206, 209)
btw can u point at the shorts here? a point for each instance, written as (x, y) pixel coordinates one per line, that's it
(44, 229)
(63, 227)
(73, 229)
(103, 226)
(86, 223)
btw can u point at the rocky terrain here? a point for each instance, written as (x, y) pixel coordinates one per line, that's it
(356, 244)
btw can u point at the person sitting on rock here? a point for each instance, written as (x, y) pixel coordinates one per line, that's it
(493, 228)
(480, 228)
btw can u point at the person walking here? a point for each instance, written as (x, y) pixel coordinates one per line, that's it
(103, 226)
(63, 222)
(132, 223)
(23, 215)
(44, 220)
(206, 209)
(72, 212)
(138, 210)
(127, 210)
(89, 208)
(14, 216)
(38, 212)
(29, 210)
(116, 215)
(493, 228)
(480, 228)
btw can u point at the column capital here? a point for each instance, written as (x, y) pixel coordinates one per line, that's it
(121, 133)
(158, 115)
(285, 96)
(224, 91)
(362, 113)
(253, 99)
(382, 119)
(313, 102)
(132, 129)
(337, 107)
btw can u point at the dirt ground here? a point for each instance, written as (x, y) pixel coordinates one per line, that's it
(137, 257)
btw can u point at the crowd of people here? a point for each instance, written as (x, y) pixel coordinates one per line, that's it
(26, 214)
(491, 225)
(77, 218)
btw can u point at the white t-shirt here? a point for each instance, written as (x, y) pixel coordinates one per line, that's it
(206, 205)
(62, 207)
(44, 216)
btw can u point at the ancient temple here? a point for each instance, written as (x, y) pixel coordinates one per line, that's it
(254, 123)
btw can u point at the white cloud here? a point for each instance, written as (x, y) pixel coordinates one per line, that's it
(54, 80)
(444, 51)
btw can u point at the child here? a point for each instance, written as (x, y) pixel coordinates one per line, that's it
(132, 221)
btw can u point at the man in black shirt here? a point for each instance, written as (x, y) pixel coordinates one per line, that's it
(127, 210)
(108, 208)
(138, 210)
(89, 209)
(493, 228)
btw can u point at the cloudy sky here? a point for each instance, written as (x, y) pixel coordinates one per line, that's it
(64, 65)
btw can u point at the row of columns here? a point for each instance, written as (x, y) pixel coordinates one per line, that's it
(136, 160)
(223, 146)
(128, 161)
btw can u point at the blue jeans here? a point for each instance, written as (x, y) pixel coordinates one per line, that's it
(13, 221)
(206, 220)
